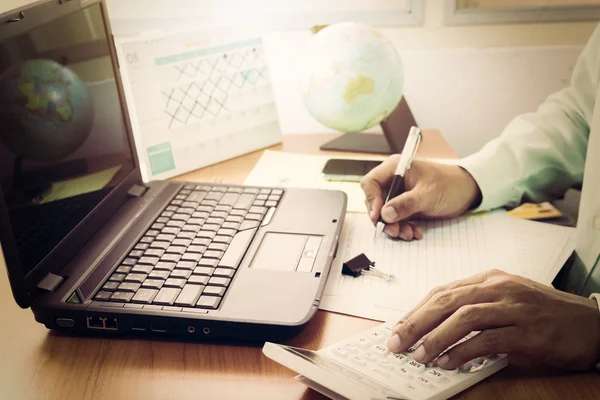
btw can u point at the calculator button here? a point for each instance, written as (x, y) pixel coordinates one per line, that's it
(424, 382)
(451, 372)
(369, 356)
(403, 372)
(380, 372)
(376, 337)
(358, 360)
(351, 348)
(385, 364)
(397, 359)
(416, 366)
(363, 342)
(435, 375)
(340, 351)
(380, 350)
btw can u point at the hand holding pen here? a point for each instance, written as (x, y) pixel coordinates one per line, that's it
(432, 190)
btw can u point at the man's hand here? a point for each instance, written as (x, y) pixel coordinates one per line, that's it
(433, 190)
(515, 316)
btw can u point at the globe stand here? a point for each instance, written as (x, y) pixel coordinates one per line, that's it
(395, 131)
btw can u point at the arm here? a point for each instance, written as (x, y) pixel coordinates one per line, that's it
(540, 155)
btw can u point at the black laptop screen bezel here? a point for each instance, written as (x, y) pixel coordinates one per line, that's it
(25, 287)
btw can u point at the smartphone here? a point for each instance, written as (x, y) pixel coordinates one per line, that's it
(338, 169)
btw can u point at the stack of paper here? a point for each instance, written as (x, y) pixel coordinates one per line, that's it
(450, 250)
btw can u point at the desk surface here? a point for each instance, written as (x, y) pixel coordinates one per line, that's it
(39, 364)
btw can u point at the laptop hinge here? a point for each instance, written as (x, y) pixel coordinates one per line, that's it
(50, 282)
(137, 190)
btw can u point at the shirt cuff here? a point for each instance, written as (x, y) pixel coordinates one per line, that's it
(596, 297)
(496, 183)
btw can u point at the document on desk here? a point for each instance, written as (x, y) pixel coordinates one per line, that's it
(450, 250)
(276, 168)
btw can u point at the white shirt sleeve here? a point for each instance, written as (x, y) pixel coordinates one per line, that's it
(539, 155)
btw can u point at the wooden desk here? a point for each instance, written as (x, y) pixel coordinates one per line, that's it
(39, 364)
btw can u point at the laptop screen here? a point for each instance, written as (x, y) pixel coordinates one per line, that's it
(63, 141)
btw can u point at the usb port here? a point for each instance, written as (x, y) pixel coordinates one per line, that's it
(110, 324)
(158, 328)
(138, 327)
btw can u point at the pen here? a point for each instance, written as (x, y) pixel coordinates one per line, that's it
(408, 154)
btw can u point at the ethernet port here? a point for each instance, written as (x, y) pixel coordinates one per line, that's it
(111, 324)
(94, 323)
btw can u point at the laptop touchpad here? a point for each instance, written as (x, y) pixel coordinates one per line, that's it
(279, 251)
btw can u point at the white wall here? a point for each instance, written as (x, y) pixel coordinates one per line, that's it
(467, 81)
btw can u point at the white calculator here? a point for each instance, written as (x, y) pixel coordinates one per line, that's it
(362, 368)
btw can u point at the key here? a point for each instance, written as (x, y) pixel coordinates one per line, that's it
(236, 250)
(208, 262)
(121, 297)
(262, 197)
(244, 202)
(380, 350)
(277, 192)
(103, 296)
(274, 198)
(181, 242)
(189, 295)
(153, 283)
(198, 279)
(129, 261)
(166, 237)
(170, 230)
(117, 277)
(340, 351)
(224, 272)
(204, 209)
(423, 382)
(435, 375)
(196, 196)
(129, 287)
(175, 282)
(203, 271)
(144, 269)
(367, 355)
(186, 235)
(351, 348)
(226, 232)
(240, 213)
(265, 191)
(217, 246)
(152, 232)
(206, 234)
(213, 254)
(213, 291)
(235, 189)
(358, 360)
(385, 364)
(230, 225)
(176, 249)
(403, 372)
(229, 199)
(180, 273)
(148, 260)
(171, 257)
(254, 217)
(147, 239)
(222, 207)
(123, 269)
(185, 210)
(215, 221)
(158, 275)
(270, 204)
(159, 244)
(398, 359)
(144, 296)
(168, 213)
(416, 366)
(190, 204)
(142, 246)
(234, 218)
(258, 203)
(208, 302)
(219, 281)
(162, 220)
(196, 221)
(190, 228)
(251, 190)
(164, 266)
(257, 210)
(376, 337)
(133, 277)
(363, 342)
(190, 265)
(157, 226)
(180, 217)
(197, 248)
(166, 296)
(219, 214)
(193, 257)
(110, 286)
(172, 208)
(222, 239)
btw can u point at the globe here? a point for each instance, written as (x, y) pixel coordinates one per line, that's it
(351, 78)
(46, 112)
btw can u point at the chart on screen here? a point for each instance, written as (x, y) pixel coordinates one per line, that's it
(197, 99)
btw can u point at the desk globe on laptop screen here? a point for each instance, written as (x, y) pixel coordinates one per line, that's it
(352, 77)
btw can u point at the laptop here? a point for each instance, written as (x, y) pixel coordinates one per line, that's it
(91, 248)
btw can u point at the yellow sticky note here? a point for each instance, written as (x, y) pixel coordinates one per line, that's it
(535, 211)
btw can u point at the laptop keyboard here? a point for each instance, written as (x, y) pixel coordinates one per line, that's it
(190, 254)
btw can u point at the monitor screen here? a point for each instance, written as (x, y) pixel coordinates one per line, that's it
(63, 141)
